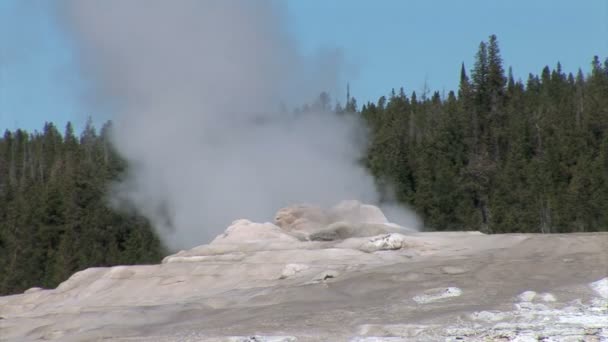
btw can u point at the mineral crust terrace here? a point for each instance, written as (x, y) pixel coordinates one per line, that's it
(340, 274)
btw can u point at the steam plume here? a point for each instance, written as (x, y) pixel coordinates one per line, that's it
(195, 87)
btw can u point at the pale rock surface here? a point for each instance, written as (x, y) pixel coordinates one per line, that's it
(385, 242)
(262, 282)
(245, 231)
(601, 287)
(434, 295)
(291, 270)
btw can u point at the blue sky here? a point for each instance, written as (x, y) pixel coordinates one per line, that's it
(386, 44)
(39, 78)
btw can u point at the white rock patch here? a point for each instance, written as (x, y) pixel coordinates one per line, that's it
(527, 322)
(527, 296)
(384, 242)
(292, 269)
(601, 287)
(434, 295)
(547, 297)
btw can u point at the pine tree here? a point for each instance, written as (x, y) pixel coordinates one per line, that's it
(496, 80)
(480, 78)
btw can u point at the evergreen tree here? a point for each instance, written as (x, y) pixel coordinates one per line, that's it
(496, 80)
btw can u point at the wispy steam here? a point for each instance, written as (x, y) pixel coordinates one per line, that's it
(195, 87)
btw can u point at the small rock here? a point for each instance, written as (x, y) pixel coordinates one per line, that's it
(33, 289)
(120, 272)
(390, 241)
(323, 276)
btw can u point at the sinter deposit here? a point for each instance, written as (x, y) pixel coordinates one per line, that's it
(338, 274)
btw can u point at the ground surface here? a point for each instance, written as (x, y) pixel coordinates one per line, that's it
(458, 286)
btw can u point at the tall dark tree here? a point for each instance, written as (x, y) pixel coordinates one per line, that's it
(496, 75)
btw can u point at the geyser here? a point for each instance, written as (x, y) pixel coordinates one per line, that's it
(194, 88)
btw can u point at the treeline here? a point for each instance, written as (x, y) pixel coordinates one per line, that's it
(54, 218)
(499, 155)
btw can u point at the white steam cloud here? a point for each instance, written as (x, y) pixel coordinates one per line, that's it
(195, 87)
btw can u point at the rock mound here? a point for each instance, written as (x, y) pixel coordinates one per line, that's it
(345, 220)
(338, 274)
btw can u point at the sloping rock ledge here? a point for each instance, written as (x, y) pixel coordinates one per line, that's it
(342, 274)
